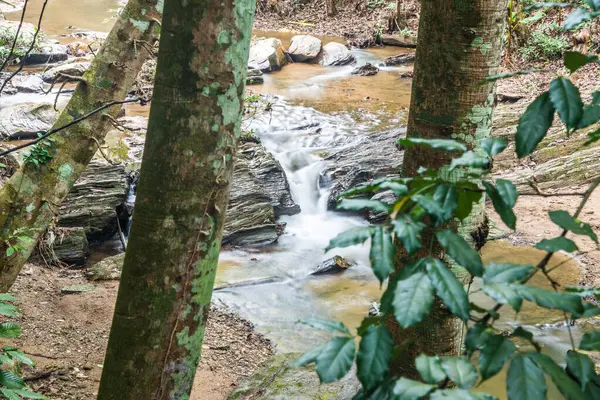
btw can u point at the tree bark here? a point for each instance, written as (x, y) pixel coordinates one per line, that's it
(187, 167)
(459, 44)
(330, 8)
(29, 200)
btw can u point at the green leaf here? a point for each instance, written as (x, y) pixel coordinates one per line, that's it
(596, 98)
(26, 394)
(557, 244)
(336, 359)
(361, 204)
(430, 368)
(461, 251)
(350, 237)
(460, 371)
(506, 272)
(507, 191)
(412, 300)
(468, 194)
(591, 115)
(550, 299)
(525, 334)
(594, 4)
(9, 394)
(589, 310)
(9, 310)
(576, 17)
(326, 325)
(580, 366)
(10, 251)
(567, 101)
(409, 232)
(407, 389)
(494, 78)
(10, 330)
(495, 352)
(493, 146)
(525, 380)
(374, 356)
(593, 137)
(382, 253)
(504, 210)
(575, 60)
(460, 394)
(476, 337)
(309, 357)
(20, 357)
(568, 223)
(567, 386)
(448, 288)
(432, 207)
(504, 294)
(534, 124)
(590, 341)
(471, 159)
(397, 188)
(446, 195)
(7, 297)
(10, 380)
(440, 144)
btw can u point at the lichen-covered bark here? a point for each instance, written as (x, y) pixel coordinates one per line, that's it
(171, 261)
(459, 44)
(29, 200)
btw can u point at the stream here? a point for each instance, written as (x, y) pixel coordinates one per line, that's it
(344, 107)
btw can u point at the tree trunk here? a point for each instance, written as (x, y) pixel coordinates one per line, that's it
(330, 8)
(29, 200)
(171, 261)
(459, 44)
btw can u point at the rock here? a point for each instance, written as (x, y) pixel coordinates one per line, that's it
(336, 54)
(255, 76)
(27, 83)
(276, 380)
(508, 97)
(396, 40)
(365, 70)
(63, 246)
(373, 156)
(267, 55)
(72, 69)
(333, 265)
(387, 197)
(77, 289)
(108, 269)
(406, 74)
(95, 200)
(47, 53)
(25, 120)
(400, 59)
(304, 48)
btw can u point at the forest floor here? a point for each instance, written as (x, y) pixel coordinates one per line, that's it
(67, 335)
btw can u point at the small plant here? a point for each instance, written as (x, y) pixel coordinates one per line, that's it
(540, 45)
(40, 153)
(12, 386)
(14, 242)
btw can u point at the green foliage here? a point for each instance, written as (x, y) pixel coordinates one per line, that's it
(7, 38)
(540, 45)
(424, 216)
(40, 153)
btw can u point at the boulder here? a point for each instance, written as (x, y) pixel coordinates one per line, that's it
(95, 200)
(27, 83)
(267, 55)
(72, 69)
(336, 54)
(25, 120)
(333, 265)
(108, 269)
(254, 77)
(304, 48)
(397, 40)
(47, 53)
(365, 70)
(63, 246)
(277, 380)
(400, 59)
(406, 74)
(372, 156)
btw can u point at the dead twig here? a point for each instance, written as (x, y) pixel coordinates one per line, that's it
(14, 45)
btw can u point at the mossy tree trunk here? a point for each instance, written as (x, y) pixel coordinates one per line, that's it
(29, 200)
(171, 261)
(459, 44)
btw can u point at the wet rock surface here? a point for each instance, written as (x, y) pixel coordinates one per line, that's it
(397, 40)
(25, 120)
(254, 77)
(63, 247)
(400, 59)
(365, 70)
(333, 265)
(267, 55)
(304, 48)
(71, 69)
(336, 54)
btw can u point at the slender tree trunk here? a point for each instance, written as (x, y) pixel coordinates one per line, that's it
(171, 261)
(29, 200)
(459, 44)
(330, 8)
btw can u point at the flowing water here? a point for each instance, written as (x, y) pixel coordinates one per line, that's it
(344, 107)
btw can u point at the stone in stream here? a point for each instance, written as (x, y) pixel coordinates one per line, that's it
(406, 74)
(267, 55)
(373, 156)
(304, 48)
(400, 59)
(333, 265)
(47, 53)
(108, 269)
(365, 70)
(27, 83)
(336, 54)
(72, 69)
(25, 120)
(254, 77)
(397, 40)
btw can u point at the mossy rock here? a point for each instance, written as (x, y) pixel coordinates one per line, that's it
(275, 380)
(108, 269)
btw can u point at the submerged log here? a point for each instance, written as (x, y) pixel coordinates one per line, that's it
(333, 265)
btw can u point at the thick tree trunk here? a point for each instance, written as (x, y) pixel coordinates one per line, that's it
(28, 201)
(460, 43)
(171, 261)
